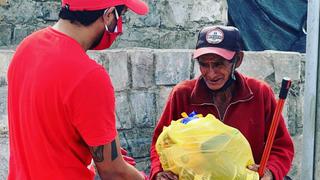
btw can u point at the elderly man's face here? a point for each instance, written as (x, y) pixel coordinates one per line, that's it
(215, 69)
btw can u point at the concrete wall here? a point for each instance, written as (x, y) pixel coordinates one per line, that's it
(143, 78)
(169, 24)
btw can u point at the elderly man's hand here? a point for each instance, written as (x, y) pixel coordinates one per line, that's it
(267, 173)
(166, 175)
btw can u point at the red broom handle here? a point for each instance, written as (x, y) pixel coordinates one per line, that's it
(285, 86)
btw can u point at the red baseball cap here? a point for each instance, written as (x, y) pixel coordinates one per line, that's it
(224, 41)
(137, 6)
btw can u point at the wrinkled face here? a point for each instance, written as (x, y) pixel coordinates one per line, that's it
(215, 69)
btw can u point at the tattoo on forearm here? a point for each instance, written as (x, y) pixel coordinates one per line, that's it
(97, 153)
(114, 151)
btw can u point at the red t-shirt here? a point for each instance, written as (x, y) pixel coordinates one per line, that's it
(59, 102)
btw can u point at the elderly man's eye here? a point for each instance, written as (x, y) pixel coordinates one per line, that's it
(219, 64)
(203, 64)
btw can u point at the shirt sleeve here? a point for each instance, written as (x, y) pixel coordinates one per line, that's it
(169, 113)
(91, 105)
(282, 150)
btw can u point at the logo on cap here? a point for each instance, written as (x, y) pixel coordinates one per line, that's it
(215, 36)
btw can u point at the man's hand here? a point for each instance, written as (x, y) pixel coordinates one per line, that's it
(267, 173)
(166, 175)
(128, 159)
(144, 175)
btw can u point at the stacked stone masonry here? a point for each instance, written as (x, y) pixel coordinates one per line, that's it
(169, 24)
(143, 78)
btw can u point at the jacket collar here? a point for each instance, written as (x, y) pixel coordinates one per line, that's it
(201, 94)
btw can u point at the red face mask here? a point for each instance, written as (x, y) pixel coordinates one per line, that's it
(109, 37)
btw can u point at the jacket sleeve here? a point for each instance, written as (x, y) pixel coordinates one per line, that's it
(167, 116)
(282, 150)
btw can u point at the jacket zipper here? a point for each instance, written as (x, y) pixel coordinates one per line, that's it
(245, 100)
(235, 102)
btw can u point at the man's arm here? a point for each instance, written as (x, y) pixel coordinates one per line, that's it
(110, 163)
(168, 114)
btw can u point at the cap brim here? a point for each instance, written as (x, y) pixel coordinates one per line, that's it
(137, 6)
(227, 54)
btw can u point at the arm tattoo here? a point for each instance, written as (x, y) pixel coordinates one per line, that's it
(114, 151)
(97, 153)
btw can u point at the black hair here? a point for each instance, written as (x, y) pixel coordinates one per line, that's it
(85, 18)
(120, 8)
(236, 57)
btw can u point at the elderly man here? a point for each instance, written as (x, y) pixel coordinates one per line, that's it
(237, 100)
(61, 103)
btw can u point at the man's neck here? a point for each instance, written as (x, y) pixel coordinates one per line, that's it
(222, 99)
(226, 94)
(77, 32)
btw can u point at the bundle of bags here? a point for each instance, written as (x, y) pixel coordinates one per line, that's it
(204, 148)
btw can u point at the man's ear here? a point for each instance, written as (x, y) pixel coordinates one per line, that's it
(239, 58)
(107, 17)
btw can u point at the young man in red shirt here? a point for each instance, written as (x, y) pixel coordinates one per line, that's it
(61, 103)
(239, 101)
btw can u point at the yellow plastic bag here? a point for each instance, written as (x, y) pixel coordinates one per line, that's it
(205, 149)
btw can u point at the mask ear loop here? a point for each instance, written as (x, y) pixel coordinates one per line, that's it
(117, 17)
(234, 68)
(105, 11)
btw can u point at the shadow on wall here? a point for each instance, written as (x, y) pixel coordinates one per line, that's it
(271, 24)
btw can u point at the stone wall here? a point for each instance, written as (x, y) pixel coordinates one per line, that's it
(143, 78)
(169, 24)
